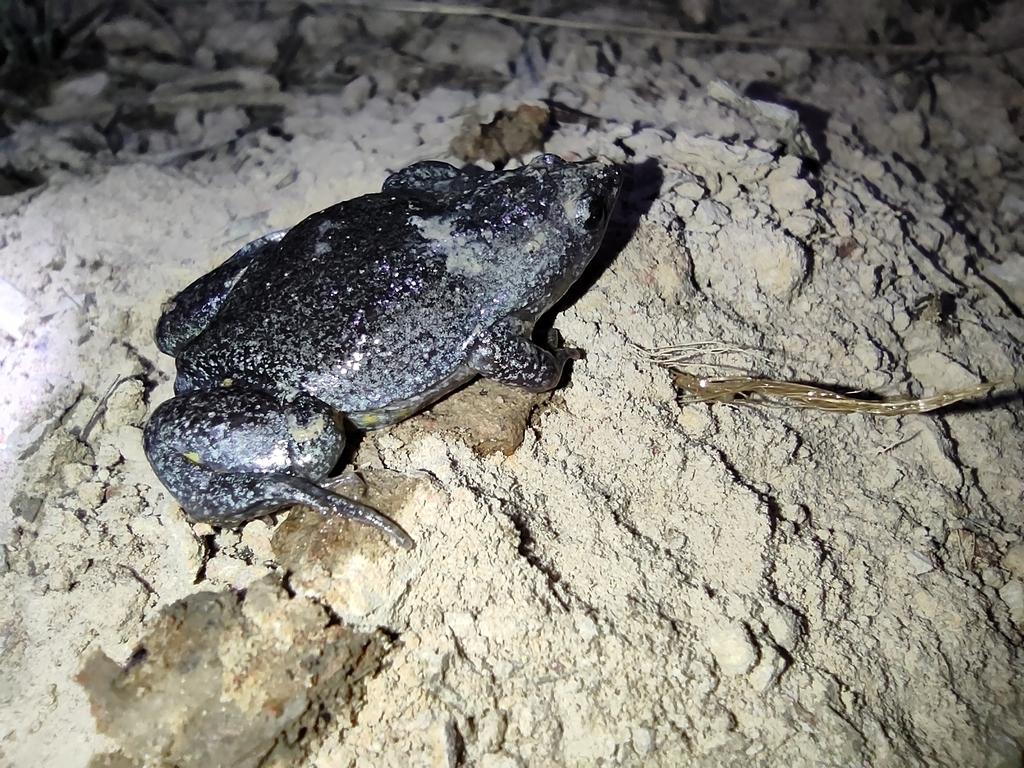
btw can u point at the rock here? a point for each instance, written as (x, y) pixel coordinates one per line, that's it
(800, 224)
(242, 678)
(777, 261)
(247, 41)
(1012, 594)
(733, 649)
(355, 95)
(476, 44)
(986, 160)
(1013, 560)
(134, 34)
(15, 309)
(767, 672)
(697, 11)
(709, 215)
(1011, 210)
(938, 373)
(784, 626)
(80, 88)
(788, 194)
(909, 126)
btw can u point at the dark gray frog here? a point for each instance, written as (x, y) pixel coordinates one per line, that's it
(367, 311)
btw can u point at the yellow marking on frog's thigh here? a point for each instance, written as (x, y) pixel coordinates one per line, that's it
(227, 382)
(303, 432)
(383, 418)
(193, 457)
(366, 420)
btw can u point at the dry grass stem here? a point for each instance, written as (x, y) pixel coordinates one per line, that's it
(627, 29)
(754, 390)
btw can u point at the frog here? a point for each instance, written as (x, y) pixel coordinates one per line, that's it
(360, 316)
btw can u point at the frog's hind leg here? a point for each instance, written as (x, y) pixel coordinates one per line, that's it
(234, 454)
(189, 313)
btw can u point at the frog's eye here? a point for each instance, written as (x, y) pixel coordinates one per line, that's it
(591, 214)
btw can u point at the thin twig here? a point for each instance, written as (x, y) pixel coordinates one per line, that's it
(628, 29)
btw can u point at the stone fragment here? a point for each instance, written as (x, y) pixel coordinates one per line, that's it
(226, 680)
(733, 649)
(788, 194)
(476, 44)
(1013, 560)
(1012, 594)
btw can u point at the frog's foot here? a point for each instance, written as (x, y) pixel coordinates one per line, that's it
(503, 353)
(348, 482)
(231, 455)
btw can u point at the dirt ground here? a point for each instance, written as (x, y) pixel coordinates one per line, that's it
(601, 576)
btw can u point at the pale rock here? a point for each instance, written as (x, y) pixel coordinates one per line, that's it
(252, 42)
(187, 125)
(993, 577)
(1013, 560)
(938, 373)
(1011, 210)
(697, 11)
(690, 188)
(873, 170)
(499, 760)
(15, 308)
(1012, 594)
(355, 95)
(783, 625)
(919, 563)
(733, 649)
(684, 208)
(986, 160)
(800, 224)
(643, 740)
(134, 34)
(490, 731)
(224, 125)
(480, 44)
(794, 62)
(789, 194)
(777, 261)
(910, 128)
(710, 214)
(767, 672)
(79, 88)
(328, 33)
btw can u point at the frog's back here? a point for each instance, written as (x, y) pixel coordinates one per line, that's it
(348, 308)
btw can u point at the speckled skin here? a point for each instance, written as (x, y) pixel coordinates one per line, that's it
(369, 310)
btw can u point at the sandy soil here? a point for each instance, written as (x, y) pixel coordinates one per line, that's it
(638, 583)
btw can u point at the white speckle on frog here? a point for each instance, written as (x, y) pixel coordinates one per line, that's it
(277, 457)
(308, 431)
(572, 207)
(321, 249)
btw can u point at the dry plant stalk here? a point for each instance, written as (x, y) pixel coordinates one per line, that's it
(672, 34)
(753, 390)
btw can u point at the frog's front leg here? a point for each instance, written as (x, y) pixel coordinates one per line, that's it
(233, 454)
(189, 313)
(506, 354)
